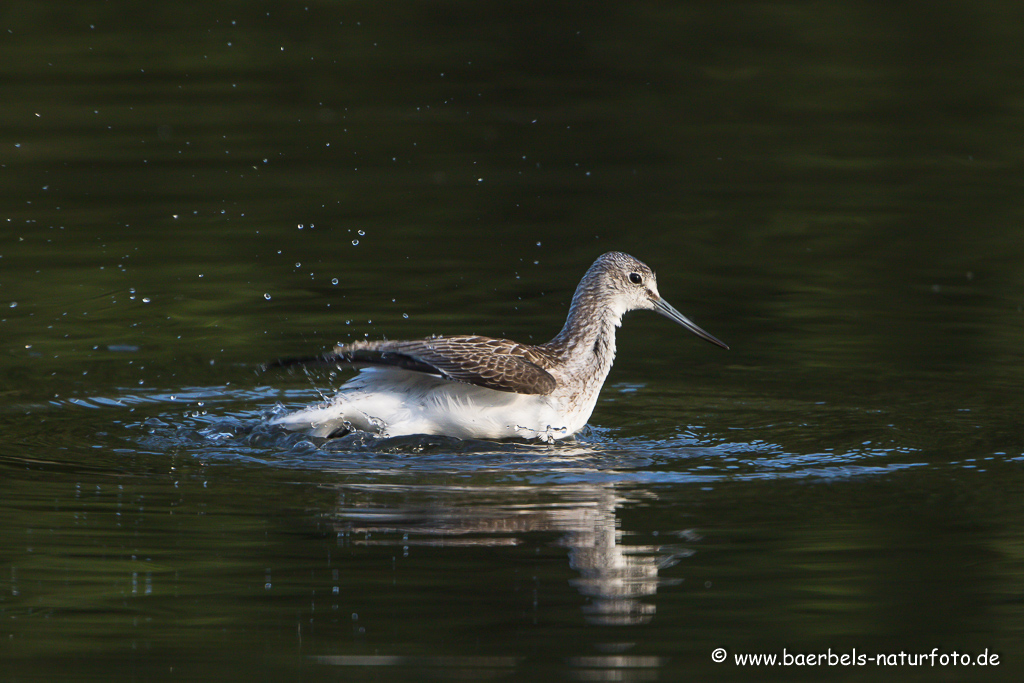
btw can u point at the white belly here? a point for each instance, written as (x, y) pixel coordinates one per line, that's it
(395, 402)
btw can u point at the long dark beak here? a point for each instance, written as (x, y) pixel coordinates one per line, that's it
(665, 308)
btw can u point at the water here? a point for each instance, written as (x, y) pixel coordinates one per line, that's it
(832, 189)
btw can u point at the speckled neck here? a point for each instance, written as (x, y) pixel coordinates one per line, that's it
(586, 343)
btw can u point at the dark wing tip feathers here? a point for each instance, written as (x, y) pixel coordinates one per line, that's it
(355, 358)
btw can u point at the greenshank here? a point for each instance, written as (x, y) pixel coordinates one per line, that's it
(472, 387)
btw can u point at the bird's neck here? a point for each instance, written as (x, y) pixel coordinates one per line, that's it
(586, 343)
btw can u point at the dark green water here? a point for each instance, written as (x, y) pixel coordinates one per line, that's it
(834, 189)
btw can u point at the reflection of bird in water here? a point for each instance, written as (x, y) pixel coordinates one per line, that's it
(615, 577)
(483, 388)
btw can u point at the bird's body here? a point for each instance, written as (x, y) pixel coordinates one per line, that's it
(484, 388)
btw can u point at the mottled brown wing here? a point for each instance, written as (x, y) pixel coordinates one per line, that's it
(492, 363)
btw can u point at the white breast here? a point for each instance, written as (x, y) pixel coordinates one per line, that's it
(396, 402)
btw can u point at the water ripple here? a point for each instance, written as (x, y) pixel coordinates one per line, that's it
(225, 424)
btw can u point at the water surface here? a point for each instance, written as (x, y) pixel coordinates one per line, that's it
(831, 189)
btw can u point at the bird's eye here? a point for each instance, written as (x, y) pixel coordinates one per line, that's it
(635, 278)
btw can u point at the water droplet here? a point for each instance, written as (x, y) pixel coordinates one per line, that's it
(355, 243)
(334, 280)
(298, 265)
(361, 233)
(266, 296)
(14, 304)
(405, 315)
(301, 226)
